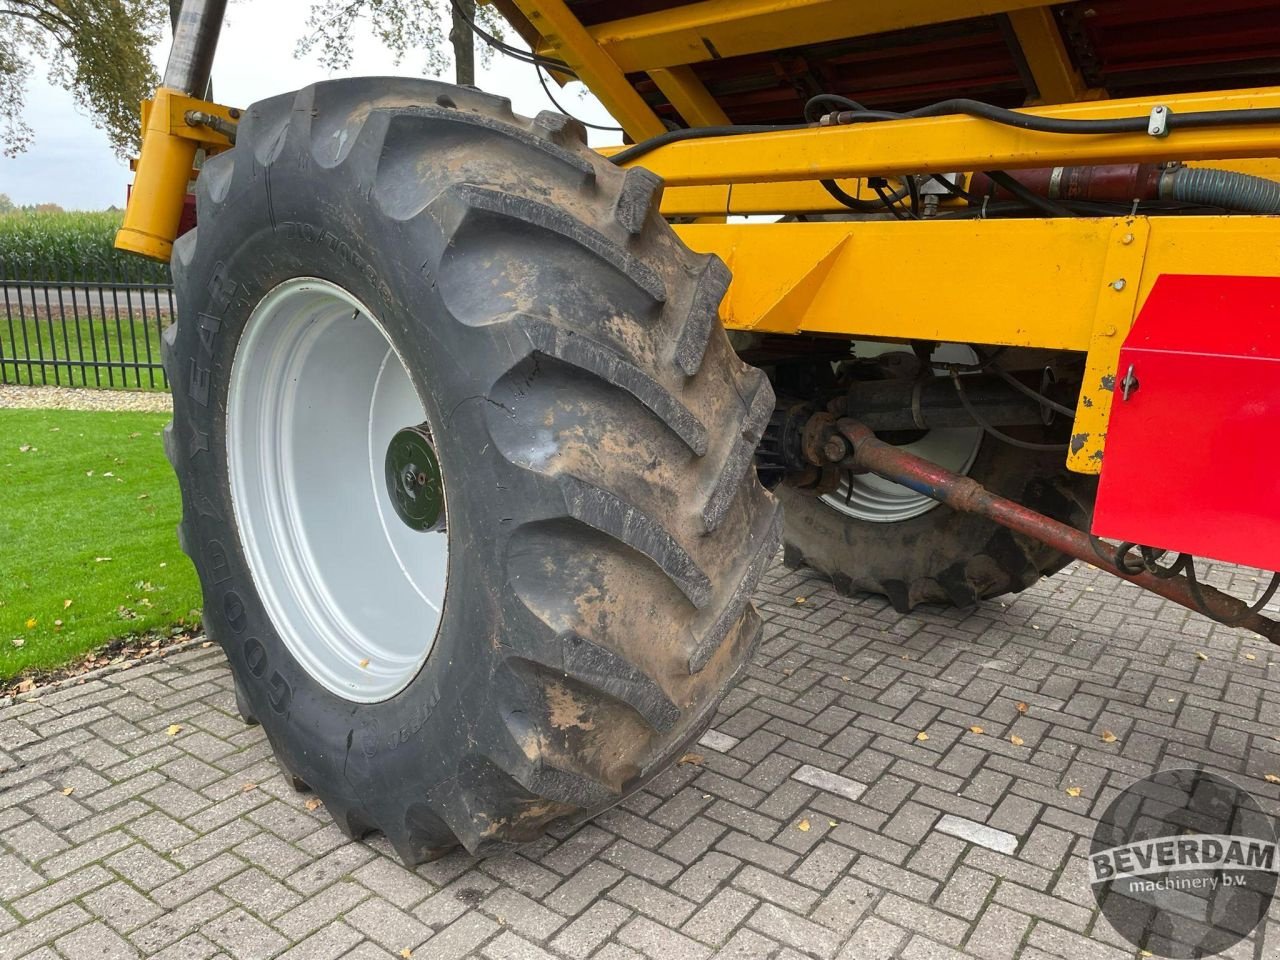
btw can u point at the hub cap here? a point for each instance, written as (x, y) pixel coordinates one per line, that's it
(339, 506)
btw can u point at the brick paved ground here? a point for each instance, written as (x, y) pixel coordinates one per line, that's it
(117, 840)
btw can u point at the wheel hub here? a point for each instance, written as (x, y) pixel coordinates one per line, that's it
(413, 479)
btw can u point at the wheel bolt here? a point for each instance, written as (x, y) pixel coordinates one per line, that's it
(835, 449)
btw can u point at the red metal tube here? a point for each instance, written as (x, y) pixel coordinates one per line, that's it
(1112, 183)
(961, 493)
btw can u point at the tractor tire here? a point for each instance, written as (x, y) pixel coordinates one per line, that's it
(560, 358)
(942, 556)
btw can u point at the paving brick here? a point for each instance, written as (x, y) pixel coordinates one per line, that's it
(796, 931)
(388, 926)
(461, 938)
(513, 909)
(831, 782)
(659, 942)
(331, 942)
(999, 934)
(121, 906)
(243, 936)
(390, 881)
(985, 836)
(62, 892)
(961, 845)
(596, 924)
(713, 923)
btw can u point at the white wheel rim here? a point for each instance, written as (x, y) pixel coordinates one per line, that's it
(316, 393)
(864, 496)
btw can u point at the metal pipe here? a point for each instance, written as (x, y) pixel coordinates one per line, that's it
(195, 39)
(962, 493)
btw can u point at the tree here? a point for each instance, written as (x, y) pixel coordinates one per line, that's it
(402, 26)
(100, 50)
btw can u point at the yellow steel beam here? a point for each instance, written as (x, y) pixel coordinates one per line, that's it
(714, 29)
(946, 144)
(808, 197)
(1061, 284)
(689, 96)
(1056, 76)
(567, 39)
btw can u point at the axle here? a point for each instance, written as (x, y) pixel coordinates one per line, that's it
(856, 447)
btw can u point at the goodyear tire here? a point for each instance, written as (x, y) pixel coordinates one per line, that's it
(943, 557)
(602, 529)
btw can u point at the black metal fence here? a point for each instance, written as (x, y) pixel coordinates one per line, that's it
(82, 324)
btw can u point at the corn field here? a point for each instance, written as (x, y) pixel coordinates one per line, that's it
(51, 241)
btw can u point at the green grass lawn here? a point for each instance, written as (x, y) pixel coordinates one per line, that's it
(88, 552)
(101, 339)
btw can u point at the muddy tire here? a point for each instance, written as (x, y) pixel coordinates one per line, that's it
(942, 557)
(603, 529)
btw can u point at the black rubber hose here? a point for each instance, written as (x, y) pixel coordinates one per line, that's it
(1222, 188)
(1251, 116)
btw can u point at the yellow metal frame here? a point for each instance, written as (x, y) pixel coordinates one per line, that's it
(1064, 284)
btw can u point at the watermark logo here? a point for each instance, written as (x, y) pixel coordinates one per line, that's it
(1184, 865)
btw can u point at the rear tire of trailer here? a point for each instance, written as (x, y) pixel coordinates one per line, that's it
(942, 556)
(382, 255)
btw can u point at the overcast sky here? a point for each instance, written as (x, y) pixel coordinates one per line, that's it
(71, 164)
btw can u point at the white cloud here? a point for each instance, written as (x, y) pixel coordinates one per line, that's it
(71, 163)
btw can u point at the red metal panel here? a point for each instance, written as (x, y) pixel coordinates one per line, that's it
(1193, 456)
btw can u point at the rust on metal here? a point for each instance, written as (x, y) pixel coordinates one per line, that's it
(963, 493)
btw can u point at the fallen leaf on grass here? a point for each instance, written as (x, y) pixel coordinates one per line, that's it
(922, 736)
(26, 685)
(1073, 791)
(101, 559)
(1109, 737)
(803, 826)
(1016, 740)
(31, 623)
(977, 729)
(66, 603)
(313, 804)
(174, 729)
(18, 641)
(693, 758)
(24, 448)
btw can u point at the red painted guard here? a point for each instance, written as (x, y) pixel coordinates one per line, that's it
(1192, 459)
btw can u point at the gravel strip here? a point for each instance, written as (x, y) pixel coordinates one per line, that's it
(78, 398)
